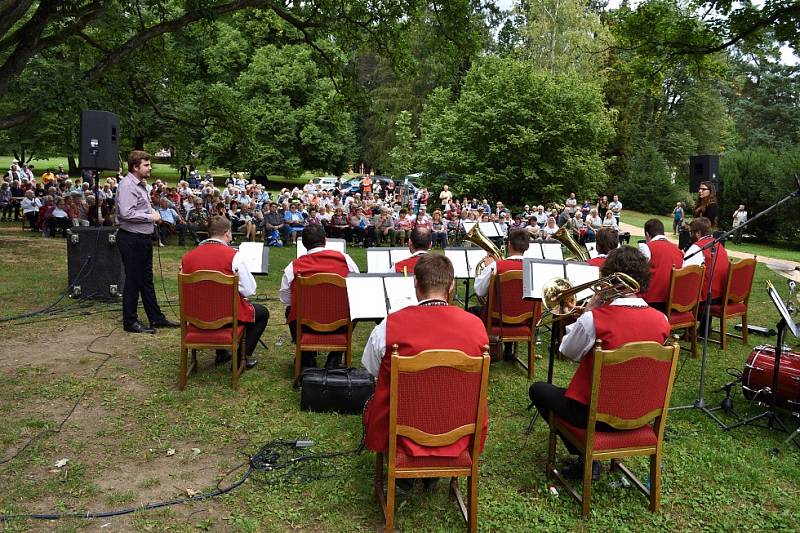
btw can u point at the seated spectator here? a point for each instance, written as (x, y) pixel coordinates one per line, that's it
(171, 222)
(339, 227)
(58, 218)
(609, 221)
(30, 209)
(403, 226)
(384, 228)
(91, 212)
(5, 201)
(294, 221)
(77, 209)
(275, 229)
(607, 240)
(438, 230)
(197, 219)
(550, 228)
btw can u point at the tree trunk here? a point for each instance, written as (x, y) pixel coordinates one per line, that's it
(73, 167)
(138, 143)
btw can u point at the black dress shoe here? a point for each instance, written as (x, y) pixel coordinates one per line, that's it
(164, 323)
(250, 364)
(574, 469)
(138, 327)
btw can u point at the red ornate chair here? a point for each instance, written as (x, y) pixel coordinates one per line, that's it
(209, 307)
(735, 298)
(685, 285)
(323, 317)
(518, 317)
(420, 386)
(631, 387)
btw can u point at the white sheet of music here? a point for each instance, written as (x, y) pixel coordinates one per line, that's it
(580, 273)
(468, 225)
(340, 245)
(367, 297)
(534, 251)
(591, 247)
(459, 259)
(490, 229)
(474, 257)
(398, 254)
(253, 254)
(378, 260)
(552, 250)
(400, 292)
(542, 273)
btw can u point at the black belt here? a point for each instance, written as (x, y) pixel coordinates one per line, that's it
(135, 234)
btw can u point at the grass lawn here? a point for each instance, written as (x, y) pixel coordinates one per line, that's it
(131, 414)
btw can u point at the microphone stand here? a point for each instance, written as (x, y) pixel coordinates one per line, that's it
(700, 402)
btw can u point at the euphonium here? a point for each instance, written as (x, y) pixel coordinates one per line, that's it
(560, 297)
(476, 236)
(564, 236)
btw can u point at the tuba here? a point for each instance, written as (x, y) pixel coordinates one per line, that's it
(564, 236)
(476, 236)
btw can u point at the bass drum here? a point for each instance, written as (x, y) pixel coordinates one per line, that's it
(757, 377)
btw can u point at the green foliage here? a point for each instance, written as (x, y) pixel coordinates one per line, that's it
(648, 185)
(758, 178)
(513, 129)
(402, 155)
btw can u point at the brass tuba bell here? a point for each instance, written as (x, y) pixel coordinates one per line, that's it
(564, 236)
(477, 237)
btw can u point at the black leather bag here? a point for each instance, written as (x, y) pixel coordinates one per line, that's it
(339, 390)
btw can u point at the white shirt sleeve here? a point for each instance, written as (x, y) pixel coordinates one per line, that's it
(580, 337)
(285, 292)
(645, 250)
(351, 265)
(247, 283)
(375, 349)
(697, 259)
(483, 280)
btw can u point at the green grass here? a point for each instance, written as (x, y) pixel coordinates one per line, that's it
(131, 414)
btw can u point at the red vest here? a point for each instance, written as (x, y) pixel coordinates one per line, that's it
(324, 261)
(598, 261)
(409, 263)
(506, 265)
(720, 269)
(415, 329)
(614, 326)
(663, 256)
(218, 257)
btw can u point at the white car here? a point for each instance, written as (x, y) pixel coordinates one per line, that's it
(325, 183)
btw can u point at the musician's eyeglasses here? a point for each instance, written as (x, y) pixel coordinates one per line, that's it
(703, 188)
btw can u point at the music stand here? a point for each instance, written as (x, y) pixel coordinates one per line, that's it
(256, 257)
(771, 414)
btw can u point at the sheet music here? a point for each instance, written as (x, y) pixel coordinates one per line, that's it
(591, 247)
(552, 250)
(490, 229)
(458, 256)
(367, 296)
(534, 251)
(400, 292)
(253, 255)
(474, 256)
(468, 225)
(340, 245)
(537, 272)
(378, 260)
(398, 254)
(580, 273)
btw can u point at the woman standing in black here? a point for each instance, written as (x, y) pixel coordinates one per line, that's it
(706, 205)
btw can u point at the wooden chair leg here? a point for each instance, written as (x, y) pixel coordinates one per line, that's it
(551, 453)
(723, 337)
(379, 482)
(297, 360)
(655, 482)
(531, 344)
(389, 512)
(236, 360)
(586, 504)
(473, 503)
(693, 333)
(183, 367)
(194, 362)
(744, 328)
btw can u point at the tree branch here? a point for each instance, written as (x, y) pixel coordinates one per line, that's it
(11, 12)
(15, 119)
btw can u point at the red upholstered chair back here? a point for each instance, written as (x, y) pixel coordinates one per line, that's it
(740, 280)
(441, 393)
(322, 302)
(508, 302)
(208, 299)
(685, 286)
(631, 385)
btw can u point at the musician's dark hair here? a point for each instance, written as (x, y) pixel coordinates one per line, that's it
(433, 273)
(135, 158)
(519, 240)
(654, 227)
(313, 236)
(607, 240)
(218, 225)
(701, 225)
(421, 238)
(630, 261)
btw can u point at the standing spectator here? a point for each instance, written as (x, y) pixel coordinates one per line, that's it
(677, 218)
(616, 207)
(602, 206)
(5, 201)
(184, 171)
(30, 209)
(572, 203)
(16, 198)
(739, 218)
(445, 196)
(706, 205)
(586, 208)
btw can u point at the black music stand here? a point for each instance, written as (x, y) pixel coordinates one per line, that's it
(771, 414)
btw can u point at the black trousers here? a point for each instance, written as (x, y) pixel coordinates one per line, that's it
(136, 250)
(548, 398)
(307, 357)
(253, 330)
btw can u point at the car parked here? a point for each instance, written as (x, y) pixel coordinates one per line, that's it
(325, 183)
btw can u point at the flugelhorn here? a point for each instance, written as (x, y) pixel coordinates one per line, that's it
(560, 298)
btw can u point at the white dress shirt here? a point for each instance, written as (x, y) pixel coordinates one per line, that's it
(247, 283)
(581, 335)
(646, 249)
(482, 281)
(697, 257)
(288, 275)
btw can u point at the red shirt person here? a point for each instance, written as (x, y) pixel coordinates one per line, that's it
(418, 245)
(623, 320)
(410, 328)
(316, 261)
(662, 256)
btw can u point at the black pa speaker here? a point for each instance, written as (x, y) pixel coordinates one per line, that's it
(99, 140)
(703, 168)
(94, 264)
